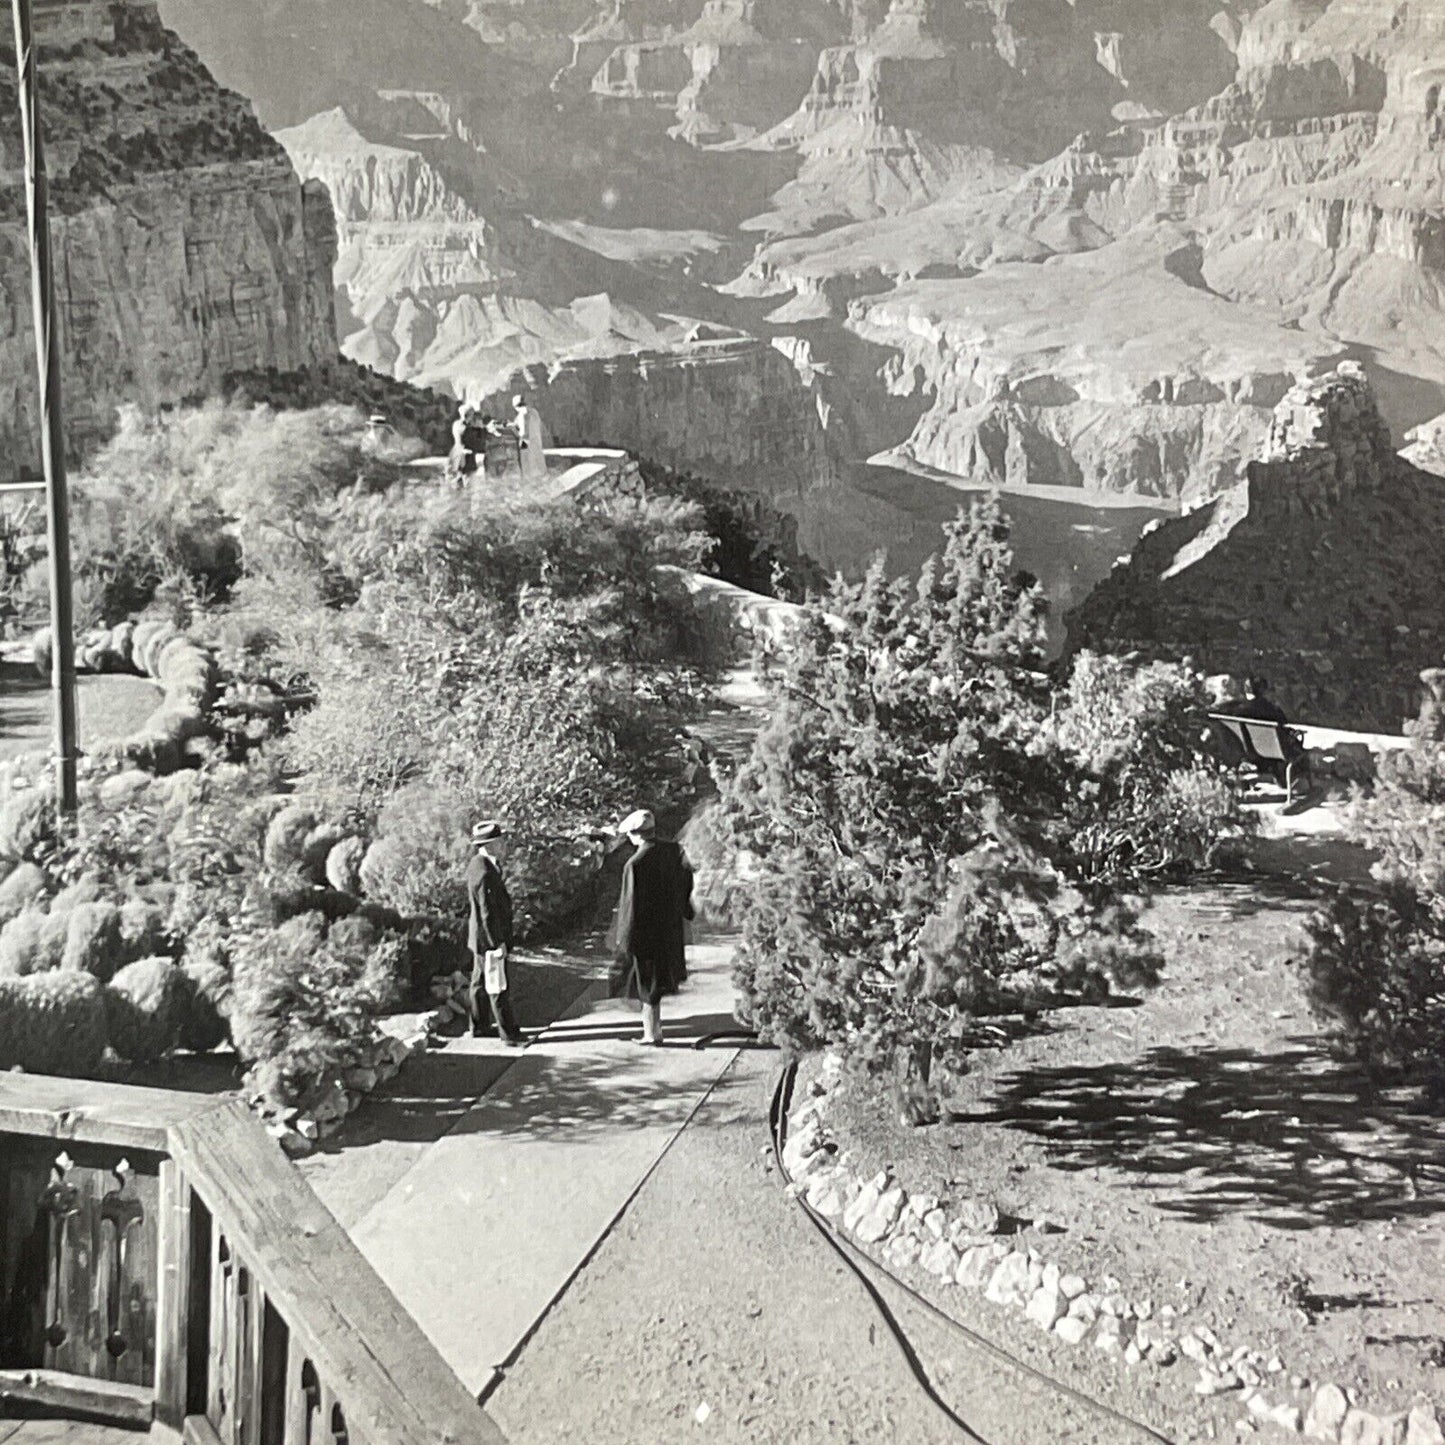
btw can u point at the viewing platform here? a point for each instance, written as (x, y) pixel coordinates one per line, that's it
(576, 472)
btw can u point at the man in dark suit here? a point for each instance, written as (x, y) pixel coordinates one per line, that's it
(489, 935)
(656, 903)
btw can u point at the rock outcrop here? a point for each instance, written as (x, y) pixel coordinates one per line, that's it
(186, 247)
(1320, 569)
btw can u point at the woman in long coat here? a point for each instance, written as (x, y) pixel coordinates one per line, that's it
(652, 914)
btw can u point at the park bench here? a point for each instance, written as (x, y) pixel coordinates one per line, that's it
(1265, 743)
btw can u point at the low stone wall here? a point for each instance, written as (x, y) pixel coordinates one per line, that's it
(301, 1127)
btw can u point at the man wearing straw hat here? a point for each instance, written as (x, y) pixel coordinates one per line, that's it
(489, 935)
(655, 904)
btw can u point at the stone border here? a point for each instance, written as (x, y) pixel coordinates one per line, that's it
(964, 1250)
(299, 1128)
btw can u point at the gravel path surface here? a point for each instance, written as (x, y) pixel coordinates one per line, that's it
(714, 1291)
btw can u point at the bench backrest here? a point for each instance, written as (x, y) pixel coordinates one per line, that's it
(1258, 737)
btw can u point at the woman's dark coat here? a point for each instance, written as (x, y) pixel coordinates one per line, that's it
(655, 905)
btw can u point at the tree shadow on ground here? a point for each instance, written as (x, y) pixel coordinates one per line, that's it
(575, 1097)
(1293, 1139)
(424, 1102)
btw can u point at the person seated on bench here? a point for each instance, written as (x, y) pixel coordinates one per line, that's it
(1261, 706)
(1258, 703)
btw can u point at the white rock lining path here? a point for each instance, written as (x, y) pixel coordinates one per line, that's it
(914, 1230)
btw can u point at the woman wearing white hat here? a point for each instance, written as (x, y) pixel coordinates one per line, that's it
(656, 902)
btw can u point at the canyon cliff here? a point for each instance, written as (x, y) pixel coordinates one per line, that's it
(1321, 568)
(186, 247)
(1079, 244)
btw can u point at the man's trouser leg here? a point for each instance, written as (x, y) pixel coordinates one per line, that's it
(478, 1013)
(502, 1012)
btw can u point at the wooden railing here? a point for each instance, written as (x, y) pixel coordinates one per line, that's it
(163, 1263)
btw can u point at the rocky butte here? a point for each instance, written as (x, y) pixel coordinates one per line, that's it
(186, 246)
(1320, 568)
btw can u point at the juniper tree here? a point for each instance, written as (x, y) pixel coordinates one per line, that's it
(902, 822)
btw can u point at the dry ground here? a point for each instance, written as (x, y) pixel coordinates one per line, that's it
(1206, 1149)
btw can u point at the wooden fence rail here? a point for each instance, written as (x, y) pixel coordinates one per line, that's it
(161, 1260)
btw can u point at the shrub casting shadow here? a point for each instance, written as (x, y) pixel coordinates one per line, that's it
(1294, 1140)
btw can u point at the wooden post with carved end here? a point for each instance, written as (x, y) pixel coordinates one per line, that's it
(173, 1307)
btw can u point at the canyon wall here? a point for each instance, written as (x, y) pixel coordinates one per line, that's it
(1082, 246)
(738, 413)
(185, 245)
(1321, 568)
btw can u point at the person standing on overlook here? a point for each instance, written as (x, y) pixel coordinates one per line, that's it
(489, 935)
(531, 445)
(462, 461)
(655, 904)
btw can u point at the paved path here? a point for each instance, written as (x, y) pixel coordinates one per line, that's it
(485, 1178)
(481, 1228)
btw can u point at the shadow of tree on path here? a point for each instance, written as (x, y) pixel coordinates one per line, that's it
(1294, 1139)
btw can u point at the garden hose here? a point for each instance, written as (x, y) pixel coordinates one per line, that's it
(851, 1256)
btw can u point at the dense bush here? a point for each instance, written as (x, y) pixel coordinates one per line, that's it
(174, 508)
(910, 820)
(1376, 973)
(304, 1001)
(206, 1019)
(1147, 800)
(93, 940)
(33, 942)
(27, 825)
(1403, 817)
(145, 1007)
(1375, 966)
(52, 1023)
(23, 885)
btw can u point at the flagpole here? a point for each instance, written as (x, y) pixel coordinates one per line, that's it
(52, 437)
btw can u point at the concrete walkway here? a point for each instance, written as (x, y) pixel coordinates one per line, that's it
(480, 1229)
(482, 1179)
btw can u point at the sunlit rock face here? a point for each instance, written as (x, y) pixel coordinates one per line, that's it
(1319, 568)
(185, 244)
(1063, 244)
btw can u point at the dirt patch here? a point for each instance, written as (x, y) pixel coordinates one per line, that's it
(1204, 1148)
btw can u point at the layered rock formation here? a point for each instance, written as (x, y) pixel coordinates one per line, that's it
(1041, 244)
(1321, 568)
(185, 245)
(1132, 384)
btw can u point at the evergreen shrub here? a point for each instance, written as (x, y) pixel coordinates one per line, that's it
(908, 819)
(52, 1023)
(145, 1005)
